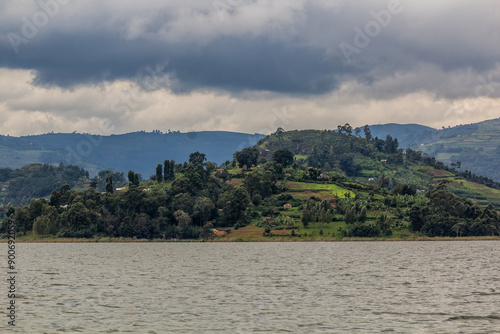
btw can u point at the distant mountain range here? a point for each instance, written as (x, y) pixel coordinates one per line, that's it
(476, 146)
(138, 151)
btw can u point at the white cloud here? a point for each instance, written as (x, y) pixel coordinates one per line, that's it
(30, 109)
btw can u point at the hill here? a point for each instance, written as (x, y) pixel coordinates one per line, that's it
(297, 185)
(365, 161)
(407, 134)
(132, 151)
(476, 146)
(19, 186)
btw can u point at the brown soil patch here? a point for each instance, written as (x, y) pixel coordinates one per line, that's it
(436, 172)
(321, 194)
(235, 182)
(247, 231)
(281, 232)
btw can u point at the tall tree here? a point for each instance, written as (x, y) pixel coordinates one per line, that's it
(109, 184)
(159, 176)
(368, 132)
(131, 177)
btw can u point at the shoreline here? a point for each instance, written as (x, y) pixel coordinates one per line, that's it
(237, 240)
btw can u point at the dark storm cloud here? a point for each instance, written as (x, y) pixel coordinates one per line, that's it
(286, 47)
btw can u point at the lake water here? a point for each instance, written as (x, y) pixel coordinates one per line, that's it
(347, 287)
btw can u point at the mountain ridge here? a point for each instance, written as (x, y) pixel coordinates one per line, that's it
(121, 152)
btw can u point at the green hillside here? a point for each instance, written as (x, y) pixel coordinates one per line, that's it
(476, 146)
(367, 162)
(297, 185)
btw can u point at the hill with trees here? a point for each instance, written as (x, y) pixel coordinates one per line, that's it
(296, 185)
(20, 186)
(476, 147)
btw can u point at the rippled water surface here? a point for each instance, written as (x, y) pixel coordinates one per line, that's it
(363, 287)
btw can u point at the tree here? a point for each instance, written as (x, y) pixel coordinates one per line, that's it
(137, 179)
(368, 132)
(203, 209)
(109, 184)
(348, 129)
(159, 176)
(247, 157)
(383, 180)
(237, 203)
(283, 156)
(133, 178)
(197, 158)
(77, 216)
(417, 219)
(206, 232)
(362, 217)
(183, 202)
(390, 144)
(347, 164)
(168, 169)
(350, 216)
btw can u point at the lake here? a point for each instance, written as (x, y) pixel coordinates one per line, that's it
(316, 287)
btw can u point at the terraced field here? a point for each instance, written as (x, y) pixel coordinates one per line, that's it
(478, 192)
(302, 190)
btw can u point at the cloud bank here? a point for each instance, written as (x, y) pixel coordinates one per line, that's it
(233, 64)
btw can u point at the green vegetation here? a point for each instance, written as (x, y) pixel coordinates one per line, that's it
(343, 187)
(19, 186)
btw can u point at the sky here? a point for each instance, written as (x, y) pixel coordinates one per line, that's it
(249, 66)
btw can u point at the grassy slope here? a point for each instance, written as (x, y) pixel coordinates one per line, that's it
(303, 190)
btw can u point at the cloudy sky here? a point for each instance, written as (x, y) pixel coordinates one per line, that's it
(245, 65)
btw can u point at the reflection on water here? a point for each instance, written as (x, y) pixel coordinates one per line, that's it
(364, 287)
